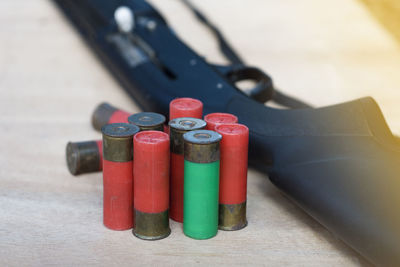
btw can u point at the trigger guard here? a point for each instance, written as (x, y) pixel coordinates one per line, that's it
(262, 92)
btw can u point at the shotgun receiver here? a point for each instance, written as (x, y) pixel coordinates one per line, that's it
(341, 163)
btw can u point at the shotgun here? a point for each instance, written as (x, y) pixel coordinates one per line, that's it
(340, 163)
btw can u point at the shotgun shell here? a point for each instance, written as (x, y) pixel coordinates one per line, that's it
(148, 121)
(185, 107)
(151, 185)
(107, 114)
(214, 119)
(84, 157)
(178, 127)
(118, 175)
(200, 212)
(233, 176)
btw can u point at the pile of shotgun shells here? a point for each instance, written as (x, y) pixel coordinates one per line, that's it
(192, 170)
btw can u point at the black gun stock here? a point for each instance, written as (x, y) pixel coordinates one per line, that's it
(341, 163)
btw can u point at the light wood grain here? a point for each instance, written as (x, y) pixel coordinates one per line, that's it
(388, 13)
(322, 51)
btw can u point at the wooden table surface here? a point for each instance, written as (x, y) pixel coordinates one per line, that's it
(322, 51)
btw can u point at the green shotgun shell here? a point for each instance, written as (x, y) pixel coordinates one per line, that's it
(201, 183)
(148, 121)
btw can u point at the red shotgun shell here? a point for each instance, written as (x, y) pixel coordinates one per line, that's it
(214, 119)
(118, 175)
(178, 127)
(84, 157)
(148, 121)
(151, 185)
(185, 107)
(107, 114)
(233, 176)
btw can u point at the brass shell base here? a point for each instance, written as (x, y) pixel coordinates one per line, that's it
(83, 157)
(232, 217)
(151, 226)
(151, 238)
